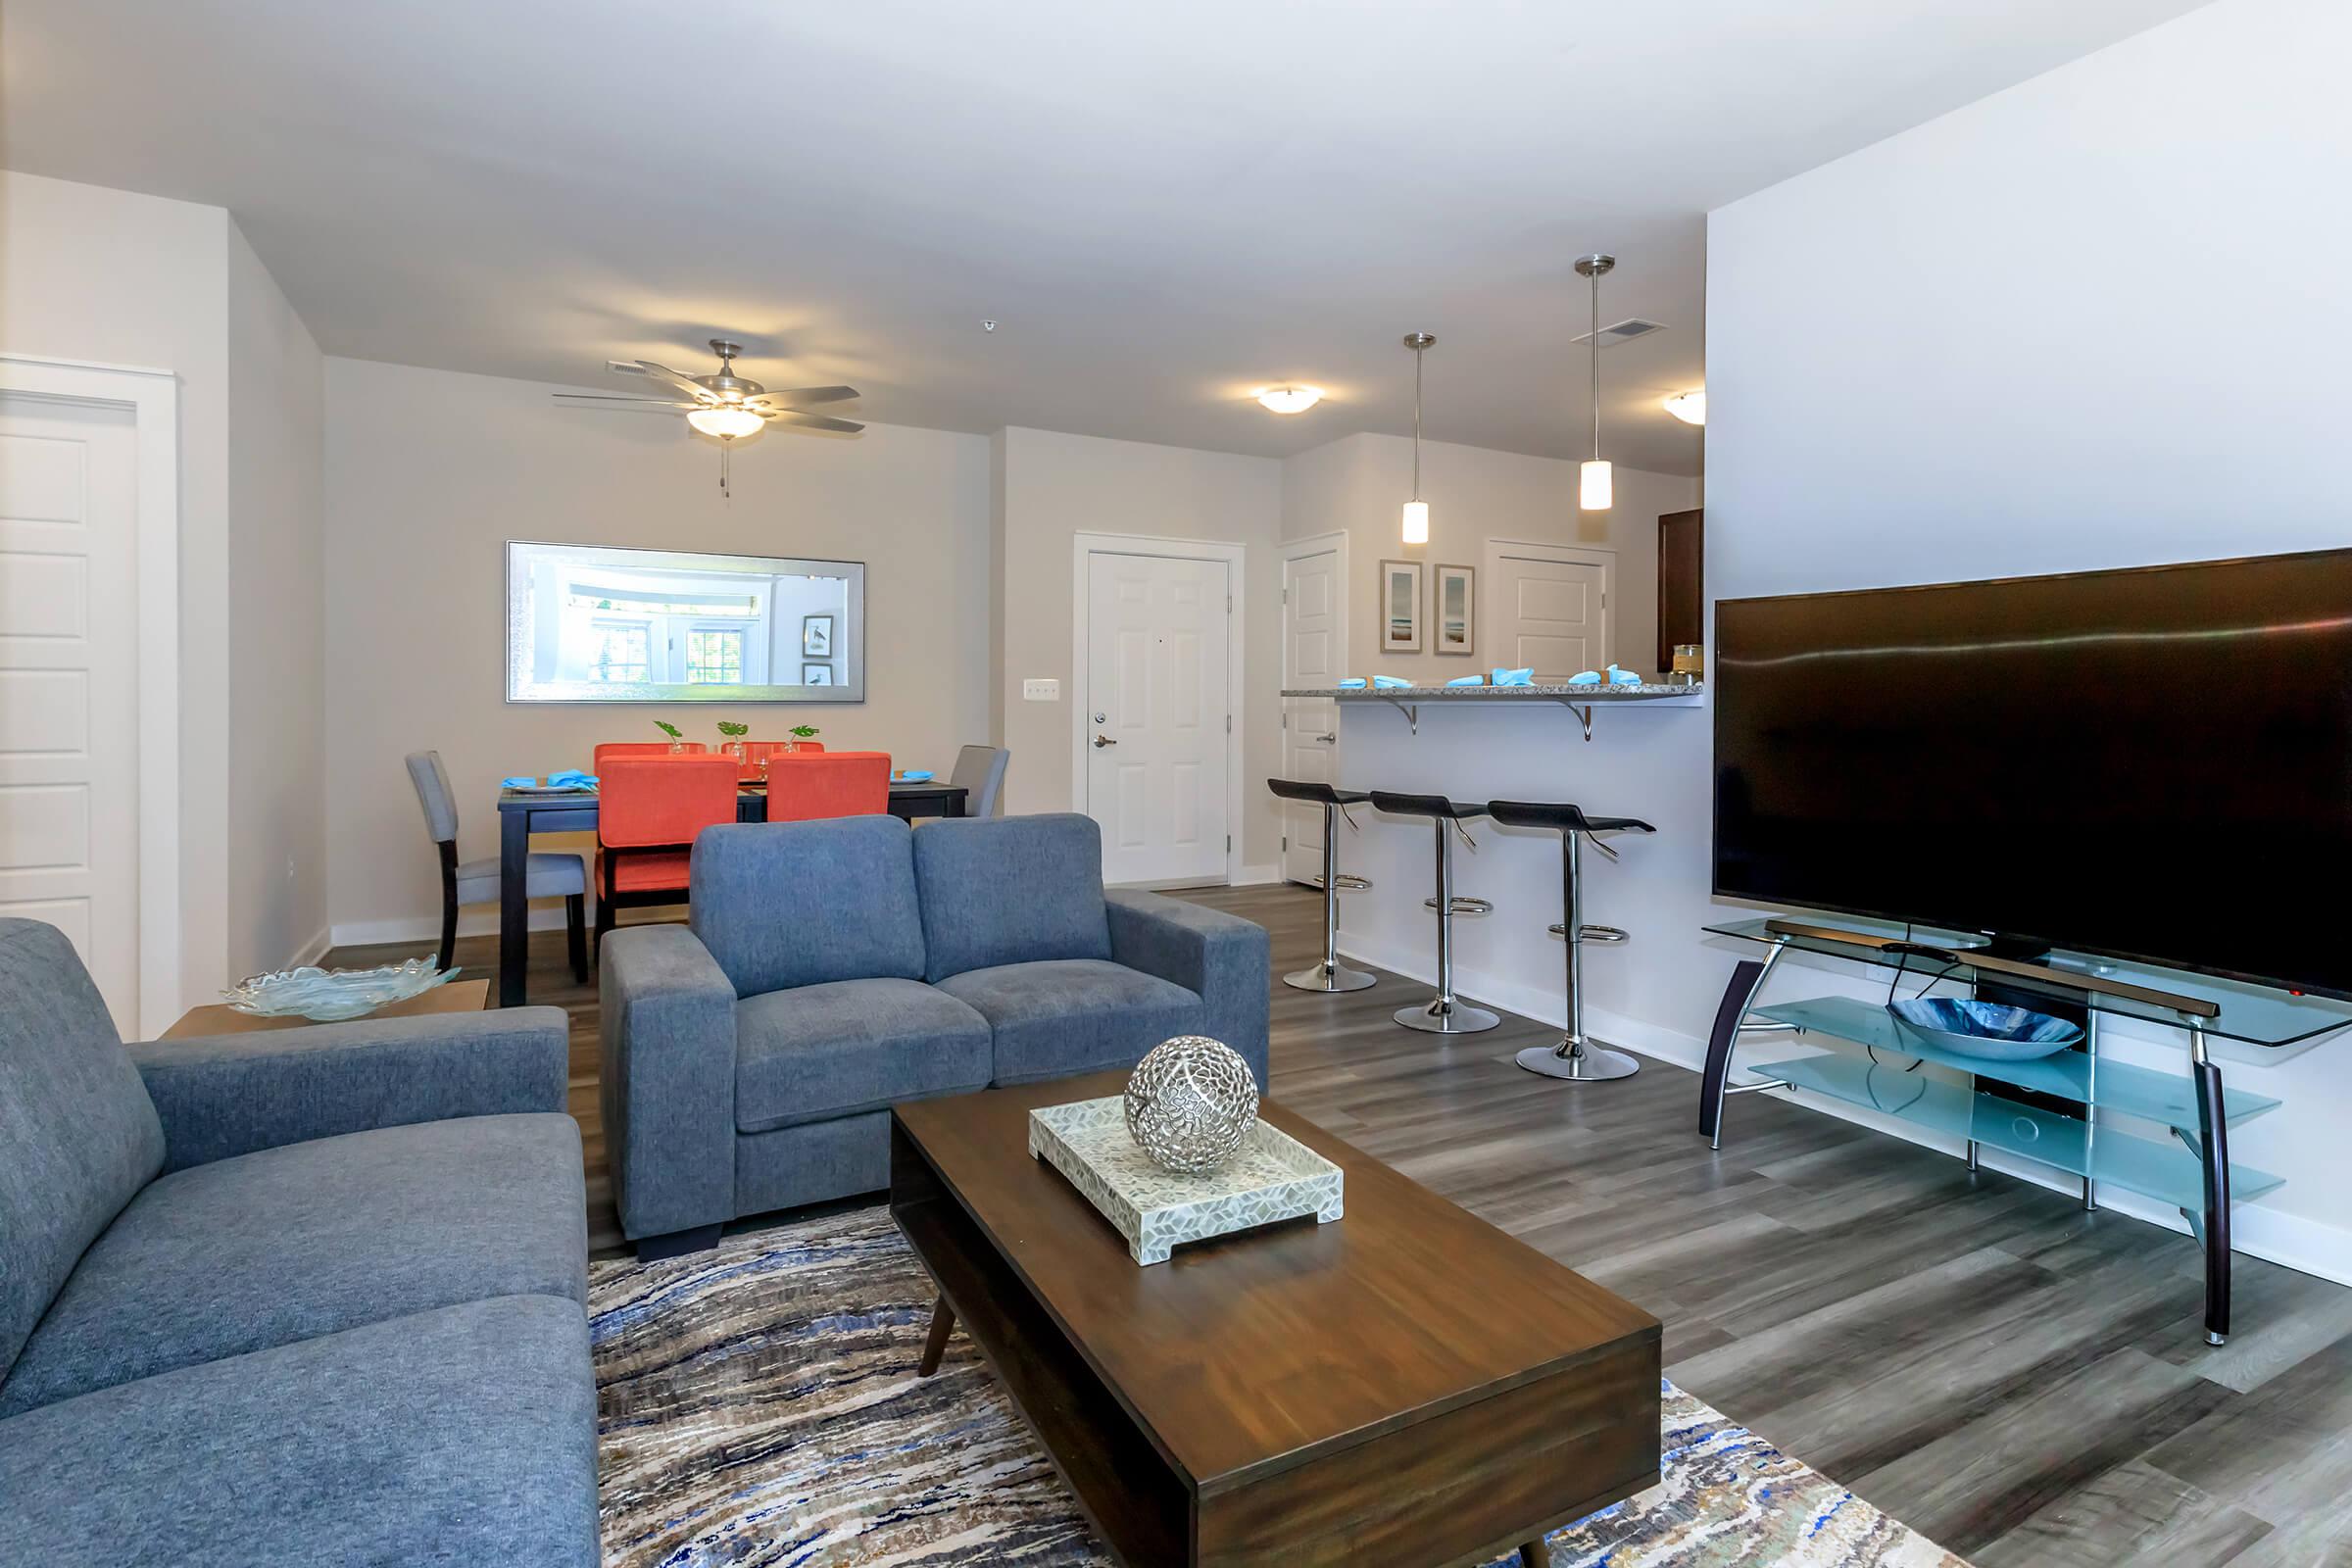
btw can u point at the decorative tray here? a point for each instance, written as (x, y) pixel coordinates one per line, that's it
(332, 995)
(1271, 1177)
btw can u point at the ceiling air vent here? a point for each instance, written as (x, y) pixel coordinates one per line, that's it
(1625, 331)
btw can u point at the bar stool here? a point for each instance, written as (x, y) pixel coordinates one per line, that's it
(1443, 1013)
(1578, 1054)
(1330, 974)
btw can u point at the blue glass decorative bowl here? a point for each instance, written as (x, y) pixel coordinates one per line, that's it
(332, 995)
(1988, 1030)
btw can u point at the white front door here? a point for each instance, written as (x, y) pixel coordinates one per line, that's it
(1310, 734)
(1159, 725)
(1551, 612)
(69, 682)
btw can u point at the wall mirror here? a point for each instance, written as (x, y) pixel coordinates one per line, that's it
(594, 623)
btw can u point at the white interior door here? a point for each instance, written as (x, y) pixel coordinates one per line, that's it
(1311, 655)
(1158, 631)
(69, 682)
(1550, 609)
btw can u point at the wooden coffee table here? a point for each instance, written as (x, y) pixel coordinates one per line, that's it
(1406, 1385)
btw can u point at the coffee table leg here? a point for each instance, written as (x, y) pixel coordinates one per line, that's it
(1535, 1555)
(943, 1324)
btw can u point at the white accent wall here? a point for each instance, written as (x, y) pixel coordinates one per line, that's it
(2098, 319)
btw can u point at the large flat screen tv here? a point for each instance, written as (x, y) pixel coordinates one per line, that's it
(2154, 764)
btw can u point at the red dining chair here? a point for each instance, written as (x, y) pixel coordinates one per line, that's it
(802, 787)
(649, 808)
(596, 758)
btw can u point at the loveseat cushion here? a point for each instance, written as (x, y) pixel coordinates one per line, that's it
(799, 904)
(78, 1135)
(465, 1435)
(1061, 1017)
(815, 1053)
(1011, 890)
(309, 1238)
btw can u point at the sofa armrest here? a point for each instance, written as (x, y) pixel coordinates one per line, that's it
(668, 1082)
(1224, 957)
(224, 1095)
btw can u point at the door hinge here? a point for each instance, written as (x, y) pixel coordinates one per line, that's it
(1228, 844)
(1286, 596)
(1229, 603)
(1286, 844)
(1228, 723)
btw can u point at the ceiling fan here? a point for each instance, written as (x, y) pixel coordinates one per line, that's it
(724, 405)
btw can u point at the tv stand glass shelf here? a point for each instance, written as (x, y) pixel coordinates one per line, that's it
(2044, 1110)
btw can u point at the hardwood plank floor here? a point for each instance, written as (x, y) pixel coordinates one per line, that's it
(2023, 1382)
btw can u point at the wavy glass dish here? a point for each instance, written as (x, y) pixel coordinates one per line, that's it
(330, 996)
(1986, 1029)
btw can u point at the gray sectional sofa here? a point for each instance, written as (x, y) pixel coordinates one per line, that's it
(310, 1296)
(831, 969)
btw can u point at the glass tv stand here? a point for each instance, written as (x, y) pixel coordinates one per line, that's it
(2043, 1110)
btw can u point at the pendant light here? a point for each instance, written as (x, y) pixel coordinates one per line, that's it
(1594, 489)
(1416, 510)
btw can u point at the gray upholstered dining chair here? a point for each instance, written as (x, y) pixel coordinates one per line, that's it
(980, 773)
(548, 877)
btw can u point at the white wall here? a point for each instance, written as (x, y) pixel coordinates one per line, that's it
(277, 803)
(106, 275)
(430, 472)
(1358, 485)
(1053, 486)
(2098, 319)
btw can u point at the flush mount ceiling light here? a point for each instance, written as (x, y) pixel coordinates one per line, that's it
(1689, 407)
(1416, 510)
(1594, 489)
(725, 406)
(1290, 399)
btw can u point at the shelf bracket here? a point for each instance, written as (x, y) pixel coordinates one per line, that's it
(1582, 711)
(1410, 711)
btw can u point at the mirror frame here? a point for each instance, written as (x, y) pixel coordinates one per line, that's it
(848, 638)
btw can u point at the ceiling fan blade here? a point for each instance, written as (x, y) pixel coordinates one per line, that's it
(684, 383)
(793, 397)
(610, 397)
(808, 422)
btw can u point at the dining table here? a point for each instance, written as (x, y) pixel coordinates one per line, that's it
(523, 813)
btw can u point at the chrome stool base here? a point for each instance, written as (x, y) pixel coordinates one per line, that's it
(1437, 1016)
(1328, 977)
(1588, 1059)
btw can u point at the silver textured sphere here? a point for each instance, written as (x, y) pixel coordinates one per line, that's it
(1190, 1102)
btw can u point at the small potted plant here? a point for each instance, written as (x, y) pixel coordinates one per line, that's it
(733, 744)
(677, 738)
(799, 733)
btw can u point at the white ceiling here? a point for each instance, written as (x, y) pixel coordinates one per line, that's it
(1164, 206)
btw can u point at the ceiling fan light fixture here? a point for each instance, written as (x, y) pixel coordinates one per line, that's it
(1290, 398)
(728, 424)
(1689, 407)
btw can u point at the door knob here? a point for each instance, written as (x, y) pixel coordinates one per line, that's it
(1329, 740)
(1102, 741)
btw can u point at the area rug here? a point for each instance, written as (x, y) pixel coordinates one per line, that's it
(759, 1407)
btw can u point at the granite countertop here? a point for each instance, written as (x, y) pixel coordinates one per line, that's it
(1648, 692)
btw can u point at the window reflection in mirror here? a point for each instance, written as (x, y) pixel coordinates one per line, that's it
(594, 623)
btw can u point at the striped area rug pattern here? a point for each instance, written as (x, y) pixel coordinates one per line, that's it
(759, 1407)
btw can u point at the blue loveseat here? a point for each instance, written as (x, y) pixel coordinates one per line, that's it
(833, 969)
(306, 1295)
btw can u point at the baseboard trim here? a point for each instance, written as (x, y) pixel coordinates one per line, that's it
(2290, 1241)
(427, 927)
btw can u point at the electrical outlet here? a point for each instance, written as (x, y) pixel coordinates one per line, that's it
(1034, 690)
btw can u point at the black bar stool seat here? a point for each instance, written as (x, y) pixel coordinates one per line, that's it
(1330, 974)
(1578, 1056)
(1443, 1013)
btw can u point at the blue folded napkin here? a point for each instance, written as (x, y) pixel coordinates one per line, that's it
(1585, 677)
(572, 776)
(1391, 684)
(1353, 683)
(1515, 677)
(1622, 678)
(1467, 680)
(912, 775)
(525, 781)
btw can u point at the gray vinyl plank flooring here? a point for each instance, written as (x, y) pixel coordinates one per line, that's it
(2025, 1382)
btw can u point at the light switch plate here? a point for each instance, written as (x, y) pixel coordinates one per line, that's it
(1041, 691)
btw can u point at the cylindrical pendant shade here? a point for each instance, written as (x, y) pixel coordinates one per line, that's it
(1416, 522)
(1594, 491)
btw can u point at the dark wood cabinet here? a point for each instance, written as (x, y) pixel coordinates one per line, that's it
(1682, 601)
